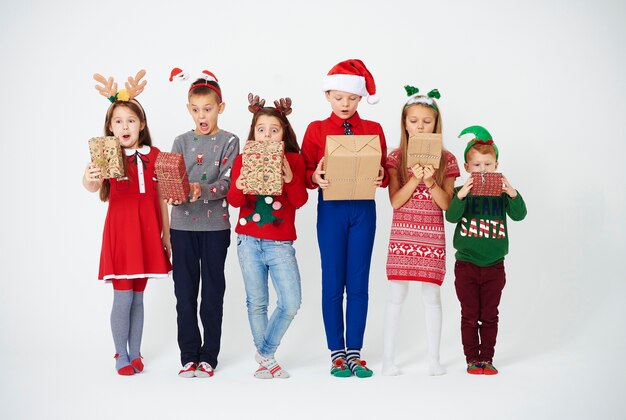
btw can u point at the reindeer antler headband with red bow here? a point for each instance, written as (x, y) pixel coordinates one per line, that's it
(134, 86)
(181, 76)
(282, 105)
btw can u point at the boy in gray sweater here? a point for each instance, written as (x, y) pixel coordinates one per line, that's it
(200, 230)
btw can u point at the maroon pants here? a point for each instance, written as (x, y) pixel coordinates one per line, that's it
(479, 290)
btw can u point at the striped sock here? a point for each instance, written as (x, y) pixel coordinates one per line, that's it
(337, 354)
(351, 356)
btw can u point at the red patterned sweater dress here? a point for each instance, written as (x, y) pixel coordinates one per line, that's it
(417, 244)
(131, 241)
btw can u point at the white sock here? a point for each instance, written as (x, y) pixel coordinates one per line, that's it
(272, 366)
(395, 298)
(432, 313)
(262, 373)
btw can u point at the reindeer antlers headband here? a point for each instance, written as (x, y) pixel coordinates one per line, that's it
(181, 76)
(134, 86)
(415, 98)
(282, 105)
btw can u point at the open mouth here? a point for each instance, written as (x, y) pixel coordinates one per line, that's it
(204, 126)
(126, 136)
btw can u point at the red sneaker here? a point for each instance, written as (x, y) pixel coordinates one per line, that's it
(489, 369)
(189, 370)
(475, 368)
(204, 370)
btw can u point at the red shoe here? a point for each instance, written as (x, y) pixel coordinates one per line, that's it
(204, 370)
(188, 371)
(137, 364)
(489, 369)
(475, 368)
(127, 370)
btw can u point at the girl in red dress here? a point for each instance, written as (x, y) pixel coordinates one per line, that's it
(417, 244)
(135, 242)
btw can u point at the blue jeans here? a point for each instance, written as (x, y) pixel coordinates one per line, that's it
(258, 258)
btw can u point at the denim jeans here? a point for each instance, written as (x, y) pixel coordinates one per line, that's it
(258, 258)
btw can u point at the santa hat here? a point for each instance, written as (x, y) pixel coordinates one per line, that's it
(351, 76)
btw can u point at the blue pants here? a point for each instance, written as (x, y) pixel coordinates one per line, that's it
(196, 255)
(258, 258)
(345, 233)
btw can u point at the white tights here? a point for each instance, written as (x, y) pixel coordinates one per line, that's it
(432, 313)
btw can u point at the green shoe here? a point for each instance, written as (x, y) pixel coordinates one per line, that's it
(360, 370)
(340, 369)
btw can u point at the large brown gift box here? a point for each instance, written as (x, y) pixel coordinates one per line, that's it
(487, 183)
(171, 176)
(352, 164)
(262, 167)
(106, 152)
(424, 149)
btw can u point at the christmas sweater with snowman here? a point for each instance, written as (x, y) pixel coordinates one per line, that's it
(481, 236)
(270, 217)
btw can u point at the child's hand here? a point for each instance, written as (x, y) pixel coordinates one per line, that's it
(287, 173)
(508, 188)
(418, 172)
(379, 179)
(240, 183)
(196, 191)
(467, 187)
(317, 176)
(172, 201)
(429, 171)
(92, 173)
(167, 245)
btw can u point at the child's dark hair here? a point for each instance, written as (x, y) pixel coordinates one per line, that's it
(289, 136)
(205, 87)
(144, 136)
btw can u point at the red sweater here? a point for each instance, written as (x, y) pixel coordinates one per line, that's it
(314, 141)
(270, 217)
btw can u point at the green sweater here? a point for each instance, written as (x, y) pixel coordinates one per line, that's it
(481, 235)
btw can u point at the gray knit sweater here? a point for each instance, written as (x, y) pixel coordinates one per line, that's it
(208, 159)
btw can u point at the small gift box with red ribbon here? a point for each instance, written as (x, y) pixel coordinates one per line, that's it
(106, 152)
(172, 177)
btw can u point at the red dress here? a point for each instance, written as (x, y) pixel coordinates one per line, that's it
(131, 241)
(417, 243)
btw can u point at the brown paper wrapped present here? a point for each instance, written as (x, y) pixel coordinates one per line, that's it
(106, 152)
(351, 164)
(424, 149)
(171, 176)
(487, 183)
(262, 167)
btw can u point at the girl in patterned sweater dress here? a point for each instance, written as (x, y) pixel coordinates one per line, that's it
(417, 246)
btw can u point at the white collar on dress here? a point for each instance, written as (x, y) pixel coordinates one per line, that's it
(144, 150)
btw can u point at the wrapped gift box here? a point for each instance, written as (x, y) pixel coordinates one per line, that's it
(352, 164)
(424, 149)
(171, 176)
(262, 167)
(487, 183)
(106, 152)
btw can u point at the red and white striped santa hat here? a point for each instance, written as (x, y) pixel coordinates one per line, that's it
(353, 77)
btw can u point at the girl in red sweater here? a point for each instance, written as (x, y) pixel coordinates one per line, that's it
(266, 232)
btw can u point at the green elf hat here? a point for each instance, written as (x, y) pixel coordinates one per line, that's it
(415, 98)
(482, 137)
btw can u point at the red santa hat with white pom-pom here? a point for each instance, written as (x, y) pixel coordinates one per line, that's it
(353, 77)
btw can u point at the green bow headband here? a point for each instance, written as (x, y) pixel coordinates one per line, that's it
(415, 98)
(482, 137)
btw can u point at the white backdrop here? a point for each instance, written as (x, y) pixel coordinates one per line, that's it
(546, 79)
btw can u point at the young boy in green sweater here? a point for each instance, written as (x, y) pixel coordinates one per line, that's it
(481, 240)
